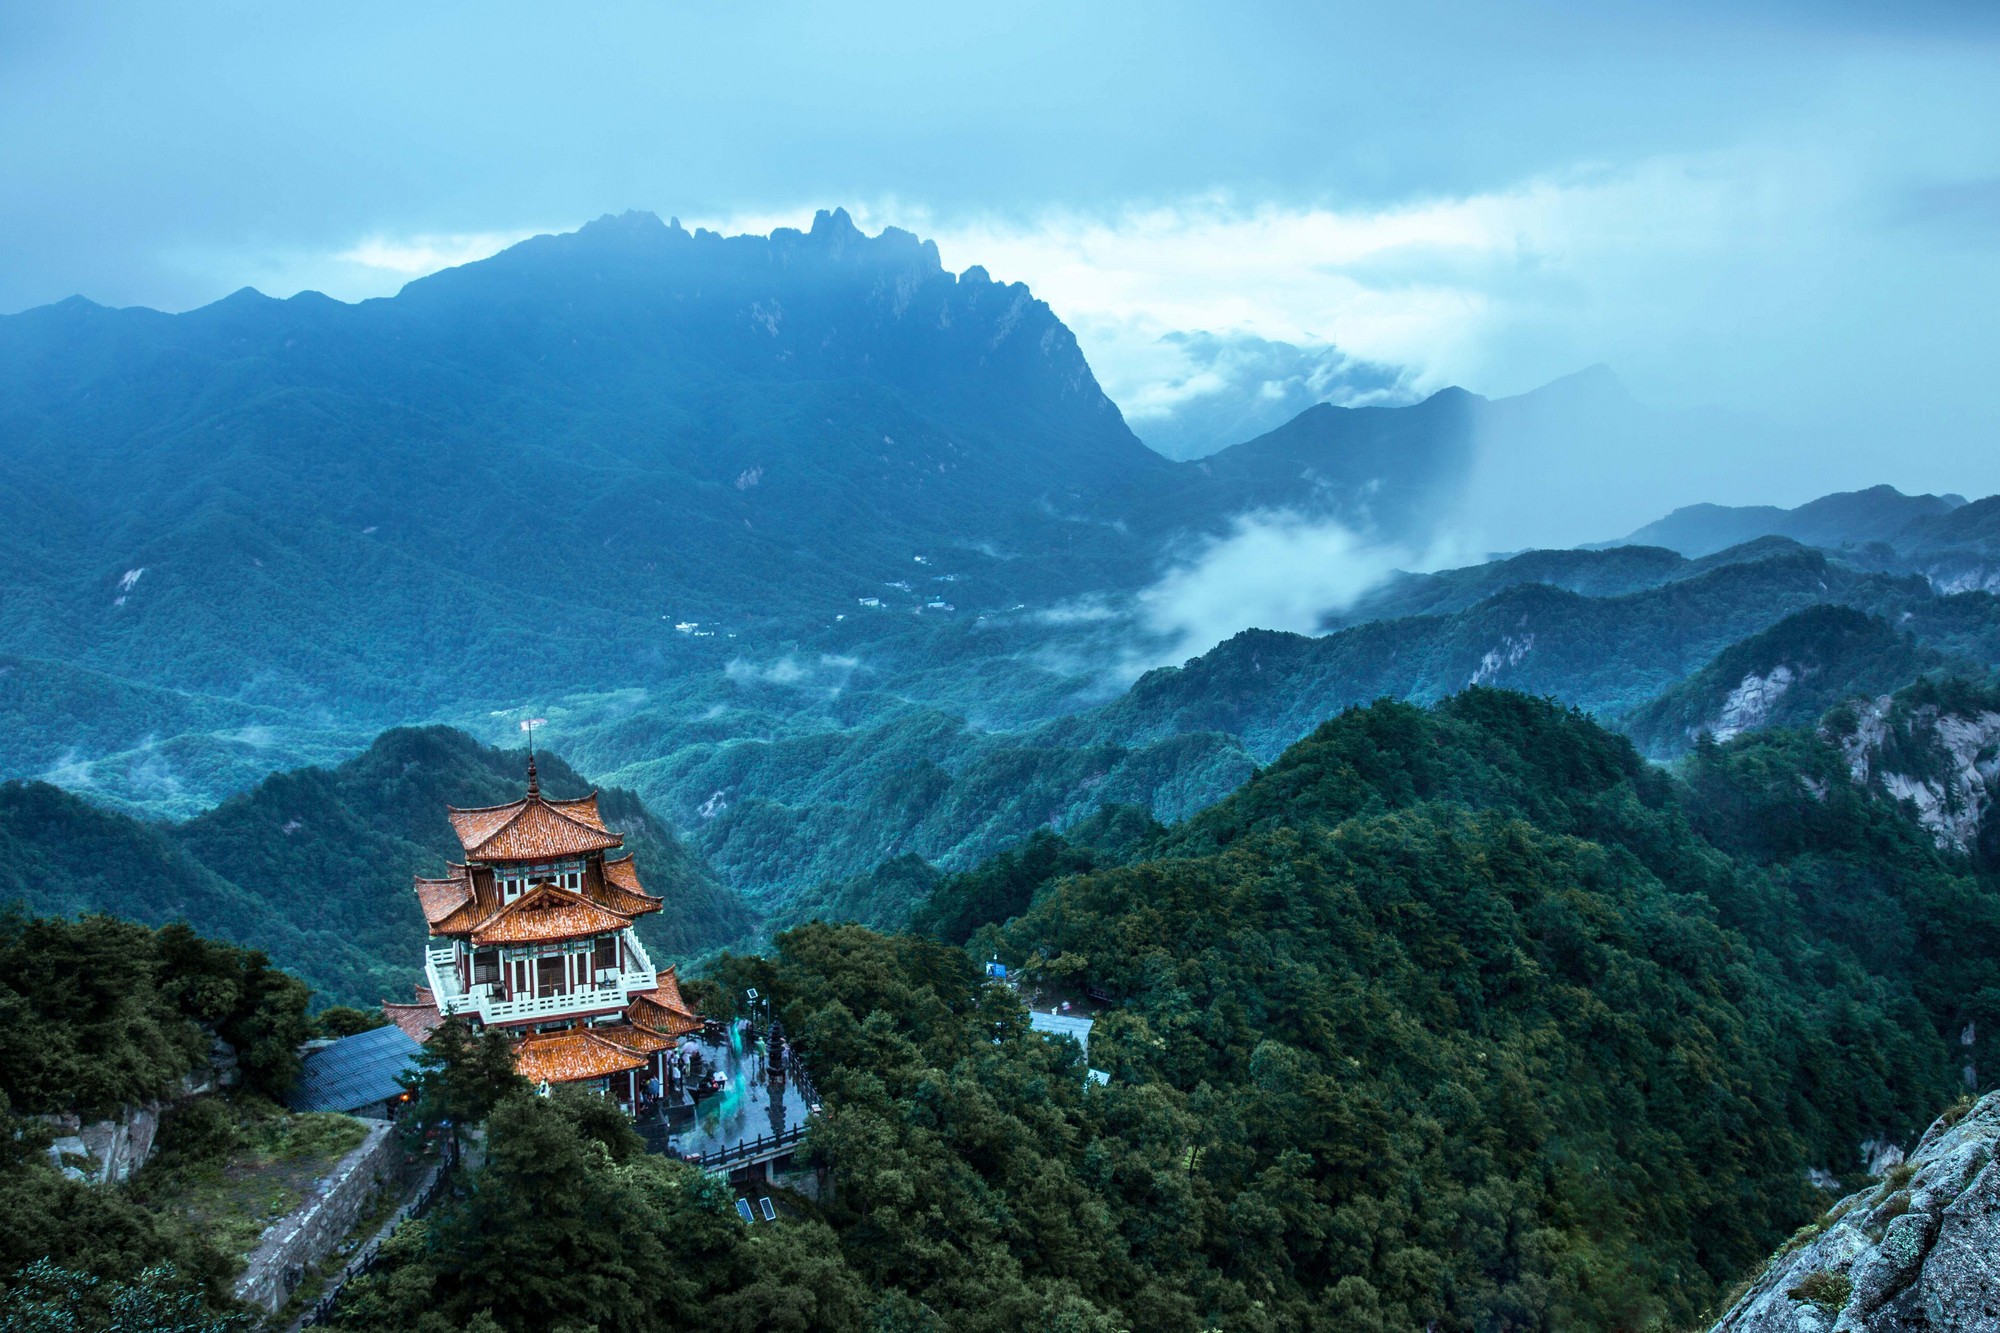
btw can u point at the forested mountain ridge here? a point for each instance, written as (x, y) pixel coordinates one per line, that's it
(1849, 518)
(253, 535)
(256, 533)
(1448, 1018)
(809, 804)
(1788, 675)
(314, 866)
(826, 553)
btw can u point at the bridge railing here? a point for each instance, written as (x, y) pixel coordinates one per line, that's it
(749, 1150)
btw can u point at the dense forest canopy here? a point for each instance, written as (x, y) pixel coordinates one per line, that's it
(97, 1015)
(1456, 1018)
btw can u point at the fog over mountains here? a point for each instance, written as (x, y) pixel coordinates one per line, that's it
(770, 524)
(314, 516)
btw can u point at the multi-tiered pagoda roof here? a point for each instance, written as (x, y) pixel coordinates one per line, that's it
(532, 932)
(662, 1010)
(534, 831)
(533, 828)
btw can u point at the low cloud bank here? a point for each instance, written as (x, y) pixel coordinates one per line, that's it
(829, 672)
(1274, 570)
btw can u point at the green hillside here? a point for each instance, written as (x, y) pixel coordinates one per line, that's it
(843, 774)
(1786, 676)
(1469, 1016)
(1452, 1018)
(314, 866)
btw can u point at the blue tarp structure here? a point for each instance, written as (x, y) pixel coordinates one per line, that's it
(355, 1073)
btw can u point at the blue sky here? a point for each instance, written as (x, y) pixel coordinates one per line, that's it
(1789, 210)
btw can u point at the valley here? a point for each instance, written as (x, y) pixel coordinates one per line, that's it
(1475, 939)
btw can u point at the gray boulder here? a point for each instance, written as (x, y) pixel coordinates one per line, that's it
(1918, 1253)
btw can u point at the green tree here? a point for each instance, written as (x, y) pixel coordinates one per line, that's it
(48, 1298)
(340, 1020)
(460, 1075)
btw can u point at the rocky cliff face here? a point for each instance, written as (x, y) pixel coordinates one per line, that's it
(1946, 763)
(107, 1152)
(1917, 1253)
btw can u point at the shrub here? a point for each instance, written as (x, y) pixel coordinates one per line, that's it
(1829, 1291)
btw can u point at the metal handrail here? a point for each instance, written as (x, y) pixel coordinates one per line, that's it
(364, 1263)
(763, 1143)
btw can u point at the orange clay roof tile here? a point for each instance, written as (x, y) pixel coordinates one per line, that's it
(667, 989)
(662, 1009)
(545, 914)
(583, 809)
(418, 1021)
(624, 902)
(439, 898)
(475, 826)
(532, 829)
(565, 1057)
(635, 1039)
(643, 1013)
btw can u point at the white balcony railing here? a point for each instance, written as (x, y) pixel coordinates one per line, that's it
(611, 989)
(639, 955)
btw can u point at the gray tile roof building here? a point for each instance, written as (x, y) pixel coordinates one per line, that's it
(355, 1073)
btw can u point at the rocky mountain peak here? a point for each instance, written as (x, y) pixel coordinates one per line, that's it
(1911, 1254)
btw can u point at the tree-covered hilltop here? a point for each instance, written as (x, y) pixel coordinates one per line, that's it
(97, 1015)
(1479, 1019)
(314, 866)
(1457, 1017)
(855, 766)
(1786, 676)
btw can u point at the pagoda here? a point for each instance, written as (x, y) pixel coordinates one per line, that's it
(533, 934)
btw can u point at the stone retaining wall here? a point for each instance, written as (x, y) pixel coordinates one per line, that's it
(307, 1234)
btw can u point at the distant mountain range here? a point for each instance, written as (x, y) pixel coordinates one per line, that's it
(252, 535)
(1852, 518)
(829, 556)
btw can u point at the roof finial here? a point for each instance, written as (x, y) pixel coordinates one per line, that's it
(528, 725)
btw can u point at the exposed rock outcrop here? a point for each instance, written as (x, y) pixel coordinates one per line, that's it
(1749, 705)
(108, 1151)
(1956, 768)
(105, 1152)
(1918, 1253)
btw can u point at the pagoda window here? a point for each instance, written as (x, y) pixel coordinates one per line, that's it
(513, 881)
(607, 953)
(549, 976)
(486, 967)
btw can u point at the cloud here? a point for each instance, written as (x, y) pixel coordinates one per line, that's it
(70, 771)
(1212, 390)
(1826, 264)
(1274, 570)
(829, 671)
(413, 256)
